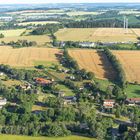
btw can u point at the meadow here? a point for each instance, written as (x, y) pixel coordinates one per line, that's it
(98, 34)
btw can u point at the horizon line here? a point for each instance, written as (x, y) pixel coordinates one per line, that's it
(74, 3)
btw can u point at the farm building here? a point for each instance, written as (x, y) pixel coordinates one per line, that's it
(43, 81)
(2, 102)
(87, 44)
(109, 103)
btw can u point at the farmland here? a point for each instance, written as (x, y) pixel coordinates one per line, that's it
(40, 39)
(12, 137)
(38, 22)
(80, 13)
(93, 61)
(130, 61)
(27, 57)
(11, 33)
(98, 34)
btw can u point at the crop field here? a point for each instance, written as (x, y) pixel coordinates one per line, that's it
(98, 34)
(130, 61)
(93, 61)
(38, 22)
(27, 57)
(35, 11)
(11, 33)
(80, 13)
(12, 137)
(40, 39)
(130, 12)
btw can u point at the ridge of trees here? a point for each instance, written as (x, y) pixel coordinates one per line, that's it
(120, 78)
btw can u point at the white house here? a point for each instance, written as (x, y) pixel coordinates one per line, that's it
(87, 44)
(2, 102)
(109, 103)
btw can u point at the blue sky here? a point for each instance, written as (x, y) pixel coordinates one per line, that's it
(62, 1)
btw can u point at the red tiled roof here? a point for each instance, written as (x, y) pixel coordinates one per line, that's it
(109, 100)
(43, 81)
(133, 99)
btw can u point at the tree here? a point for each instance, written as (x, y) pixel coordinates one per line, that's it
(1, 35)
(122, 128)
(56, 129)
(100, 133)
(118, 112)
(90, 75)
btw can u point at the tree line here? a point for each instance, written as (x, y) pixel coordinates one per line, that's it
(46, 29)
(120, 77)
(20, 43)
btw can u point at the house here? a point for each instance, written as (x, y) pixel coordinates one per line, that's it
(87, 44)
(62, 44)
(109, 103)
(132, 101)
(69, 100)
(26, 87)
(72, 77)
(43, 81)
(1, 73)
(2, 102)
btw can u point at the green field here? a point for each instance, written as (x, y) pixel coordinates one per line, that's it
(133, 91)
(12, 137)
(66, 90)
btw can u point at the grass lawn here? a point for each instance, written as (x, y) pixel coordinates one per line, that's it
(37, 107)
(13, 137)
(67, 91)
(104, 84)
(133, 91)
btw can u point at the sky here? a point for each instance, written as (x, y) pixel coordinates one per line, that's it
(64, 1)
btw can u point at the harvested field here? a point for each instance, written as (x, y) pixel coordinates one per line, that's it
(93, 61)
(130, 61)
(98, 34)
(27, 57)
(40, 39)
